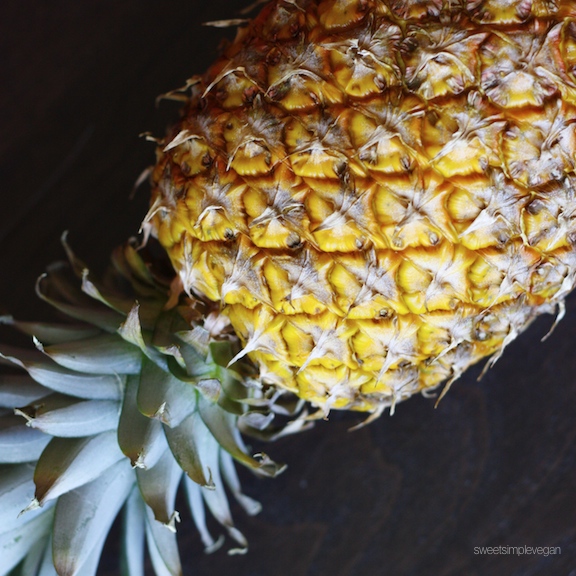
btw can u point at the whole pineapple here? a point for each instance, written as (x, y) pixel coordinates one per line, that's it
(375, 193)
(379, 193)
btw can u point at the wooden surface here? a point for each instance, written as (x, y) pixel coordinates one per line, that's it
(494, 465)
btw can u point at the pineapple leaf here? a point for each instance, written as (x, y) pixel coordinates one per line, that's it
(131, 331)
(161, 395)
(158, 486)
(18, 442)
(56, 289)
(189, 442)
(140, 438)
(133, 530)
(60, 379)
(196, 505)
(223, 427)
(52, 333)
(251, 506)
(67, 463)
(16, 543)
(72, 418)
(162, 547)
(215, 498)
(16, 487)
(103, 354)
(35, 562)
(19, 390)
(84, 516)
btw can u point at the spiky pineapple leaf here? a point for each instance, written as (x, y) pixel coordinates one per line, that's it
(131, 331)
(55, 288)
(52, 333)
(158, 486)
(19, 390)
(161, 395)
(16, 487)
(102, 354)
(67, 463)
(188, 442)
(133, 534)
(17, 542)
(83, 518)
(196, 506)
(47, 373)
(140, 438)
(18, 442)
(162, 547)
(222, 426)
(71, 417)
(230, 476)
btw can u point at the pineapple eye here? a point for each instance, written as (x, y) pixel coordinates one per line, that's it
(293, 241)
(535, 207)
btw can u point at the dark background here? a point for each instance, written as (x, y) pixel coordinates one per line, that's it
(409, 495)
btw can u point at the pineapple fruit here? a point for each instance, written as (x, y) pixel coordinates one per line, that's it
(362, 198)
(378, 193)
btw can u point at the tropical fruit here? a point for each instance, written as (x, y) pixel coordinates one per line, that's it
(378, 193)
(361, 199)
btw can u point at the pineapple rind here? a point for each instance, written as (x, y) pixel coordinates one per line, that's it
(351, 171)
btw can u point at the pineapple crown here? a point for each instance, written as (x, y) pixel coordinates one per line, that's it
(116, 408)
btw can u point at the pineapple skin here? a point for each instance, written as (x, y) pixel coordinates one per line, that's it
(379, 193)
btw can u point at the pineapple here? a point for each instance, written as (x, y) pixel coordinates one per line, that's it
(378, 193)
(361, 199)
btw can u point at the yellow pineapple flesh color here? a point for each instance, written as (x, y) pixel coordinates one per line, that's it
(379, 193)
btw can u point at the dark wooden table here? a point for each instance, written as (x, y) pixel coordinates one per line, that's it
(494, 465)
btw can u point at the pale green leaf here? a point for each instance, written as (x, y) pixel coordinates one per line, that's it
(32, 563)
(70, 418)
(55, 288)
(198, 338)
(16, 492)
(68, 463)
(131, 331)
(52, 333)
(158, 486)
(106, 354)
(15, 544)
(19, 390)
(228, 469)
(18, 443)
(140, 438)
(223, 426)
(188, 442)
(47, 566)
(215, 498)
(84, 517)
(60, 379)
(196, 505)
(162, 547)
(133, 528)
(163, 396)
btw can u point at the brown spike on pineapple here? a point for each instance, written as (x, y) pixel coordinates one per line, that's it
(386, 188)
